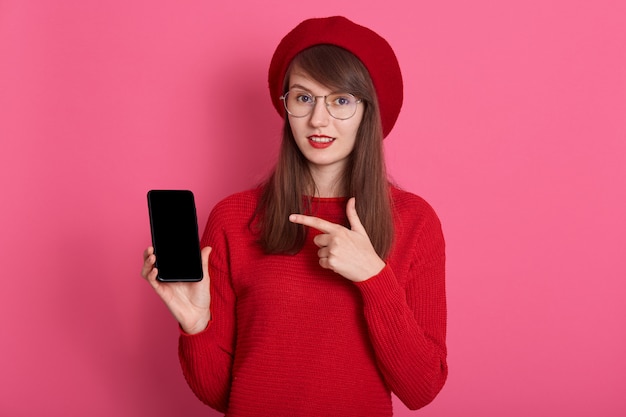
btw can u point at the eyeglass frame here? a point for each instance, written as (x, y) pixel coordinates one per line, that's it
(326, 104)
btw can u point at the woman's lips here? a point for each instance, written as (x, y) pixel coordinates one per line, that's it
(320, 141)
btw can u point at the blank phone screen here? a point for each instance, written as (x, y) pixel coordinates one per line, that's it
(174, 227)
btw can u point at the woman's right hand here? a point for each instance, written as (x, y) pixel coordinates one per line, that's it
(189, 302)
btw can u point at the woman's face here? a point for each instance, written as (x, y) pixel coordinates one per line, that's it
(325, 142)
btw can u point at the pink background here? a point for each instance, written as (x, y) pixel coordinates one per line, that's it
(513, 128)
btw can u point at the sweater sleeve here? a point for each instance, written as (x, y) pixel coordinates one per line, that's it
(206, 358)
(407, 323)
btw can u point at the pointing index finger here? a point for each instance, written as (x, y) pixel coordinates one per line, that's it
(314, 222)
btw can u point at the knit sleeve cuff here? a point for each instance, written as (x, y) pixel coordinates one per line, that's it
(381, 287)
(196, 339)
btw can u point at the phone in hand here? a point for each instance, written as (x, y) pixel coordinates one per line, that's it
(174, 227)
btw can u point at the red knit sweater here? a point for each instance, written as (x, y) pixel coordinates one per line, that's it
(289, 338)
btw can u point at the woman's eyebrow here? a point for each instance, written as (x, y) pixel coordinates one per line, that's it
(299, 87)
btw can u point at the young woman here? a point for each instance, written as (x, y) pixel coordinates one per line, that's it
(324, 287)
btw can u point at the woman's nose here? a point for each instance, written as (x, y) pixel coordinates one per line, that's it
(319, 115)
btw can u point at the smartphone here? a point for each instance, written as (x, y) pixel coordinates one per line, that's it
(174, 227)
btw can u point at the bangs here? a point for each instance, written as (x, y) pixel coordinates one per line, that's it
(335, 68)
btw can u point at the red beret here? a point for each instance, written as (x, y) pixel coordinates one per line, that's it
(374, 51)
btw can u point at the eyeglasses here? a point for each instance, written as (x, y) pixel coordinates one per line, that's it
(299, 103)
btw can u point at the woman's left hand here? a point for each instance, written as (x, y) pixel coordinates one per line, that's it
(347, 252)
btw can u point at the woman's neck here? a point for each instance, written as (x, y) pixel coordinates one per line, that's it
(327, 183)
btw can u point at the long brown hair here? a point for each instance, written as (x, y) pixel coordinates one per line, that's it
(290, 186)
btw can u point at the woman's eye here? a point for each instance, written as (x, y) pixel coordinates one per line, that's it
(304, 98)
(342, 101)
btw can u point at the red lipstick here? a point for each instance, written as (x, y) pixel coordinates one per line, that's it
(320, 141)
